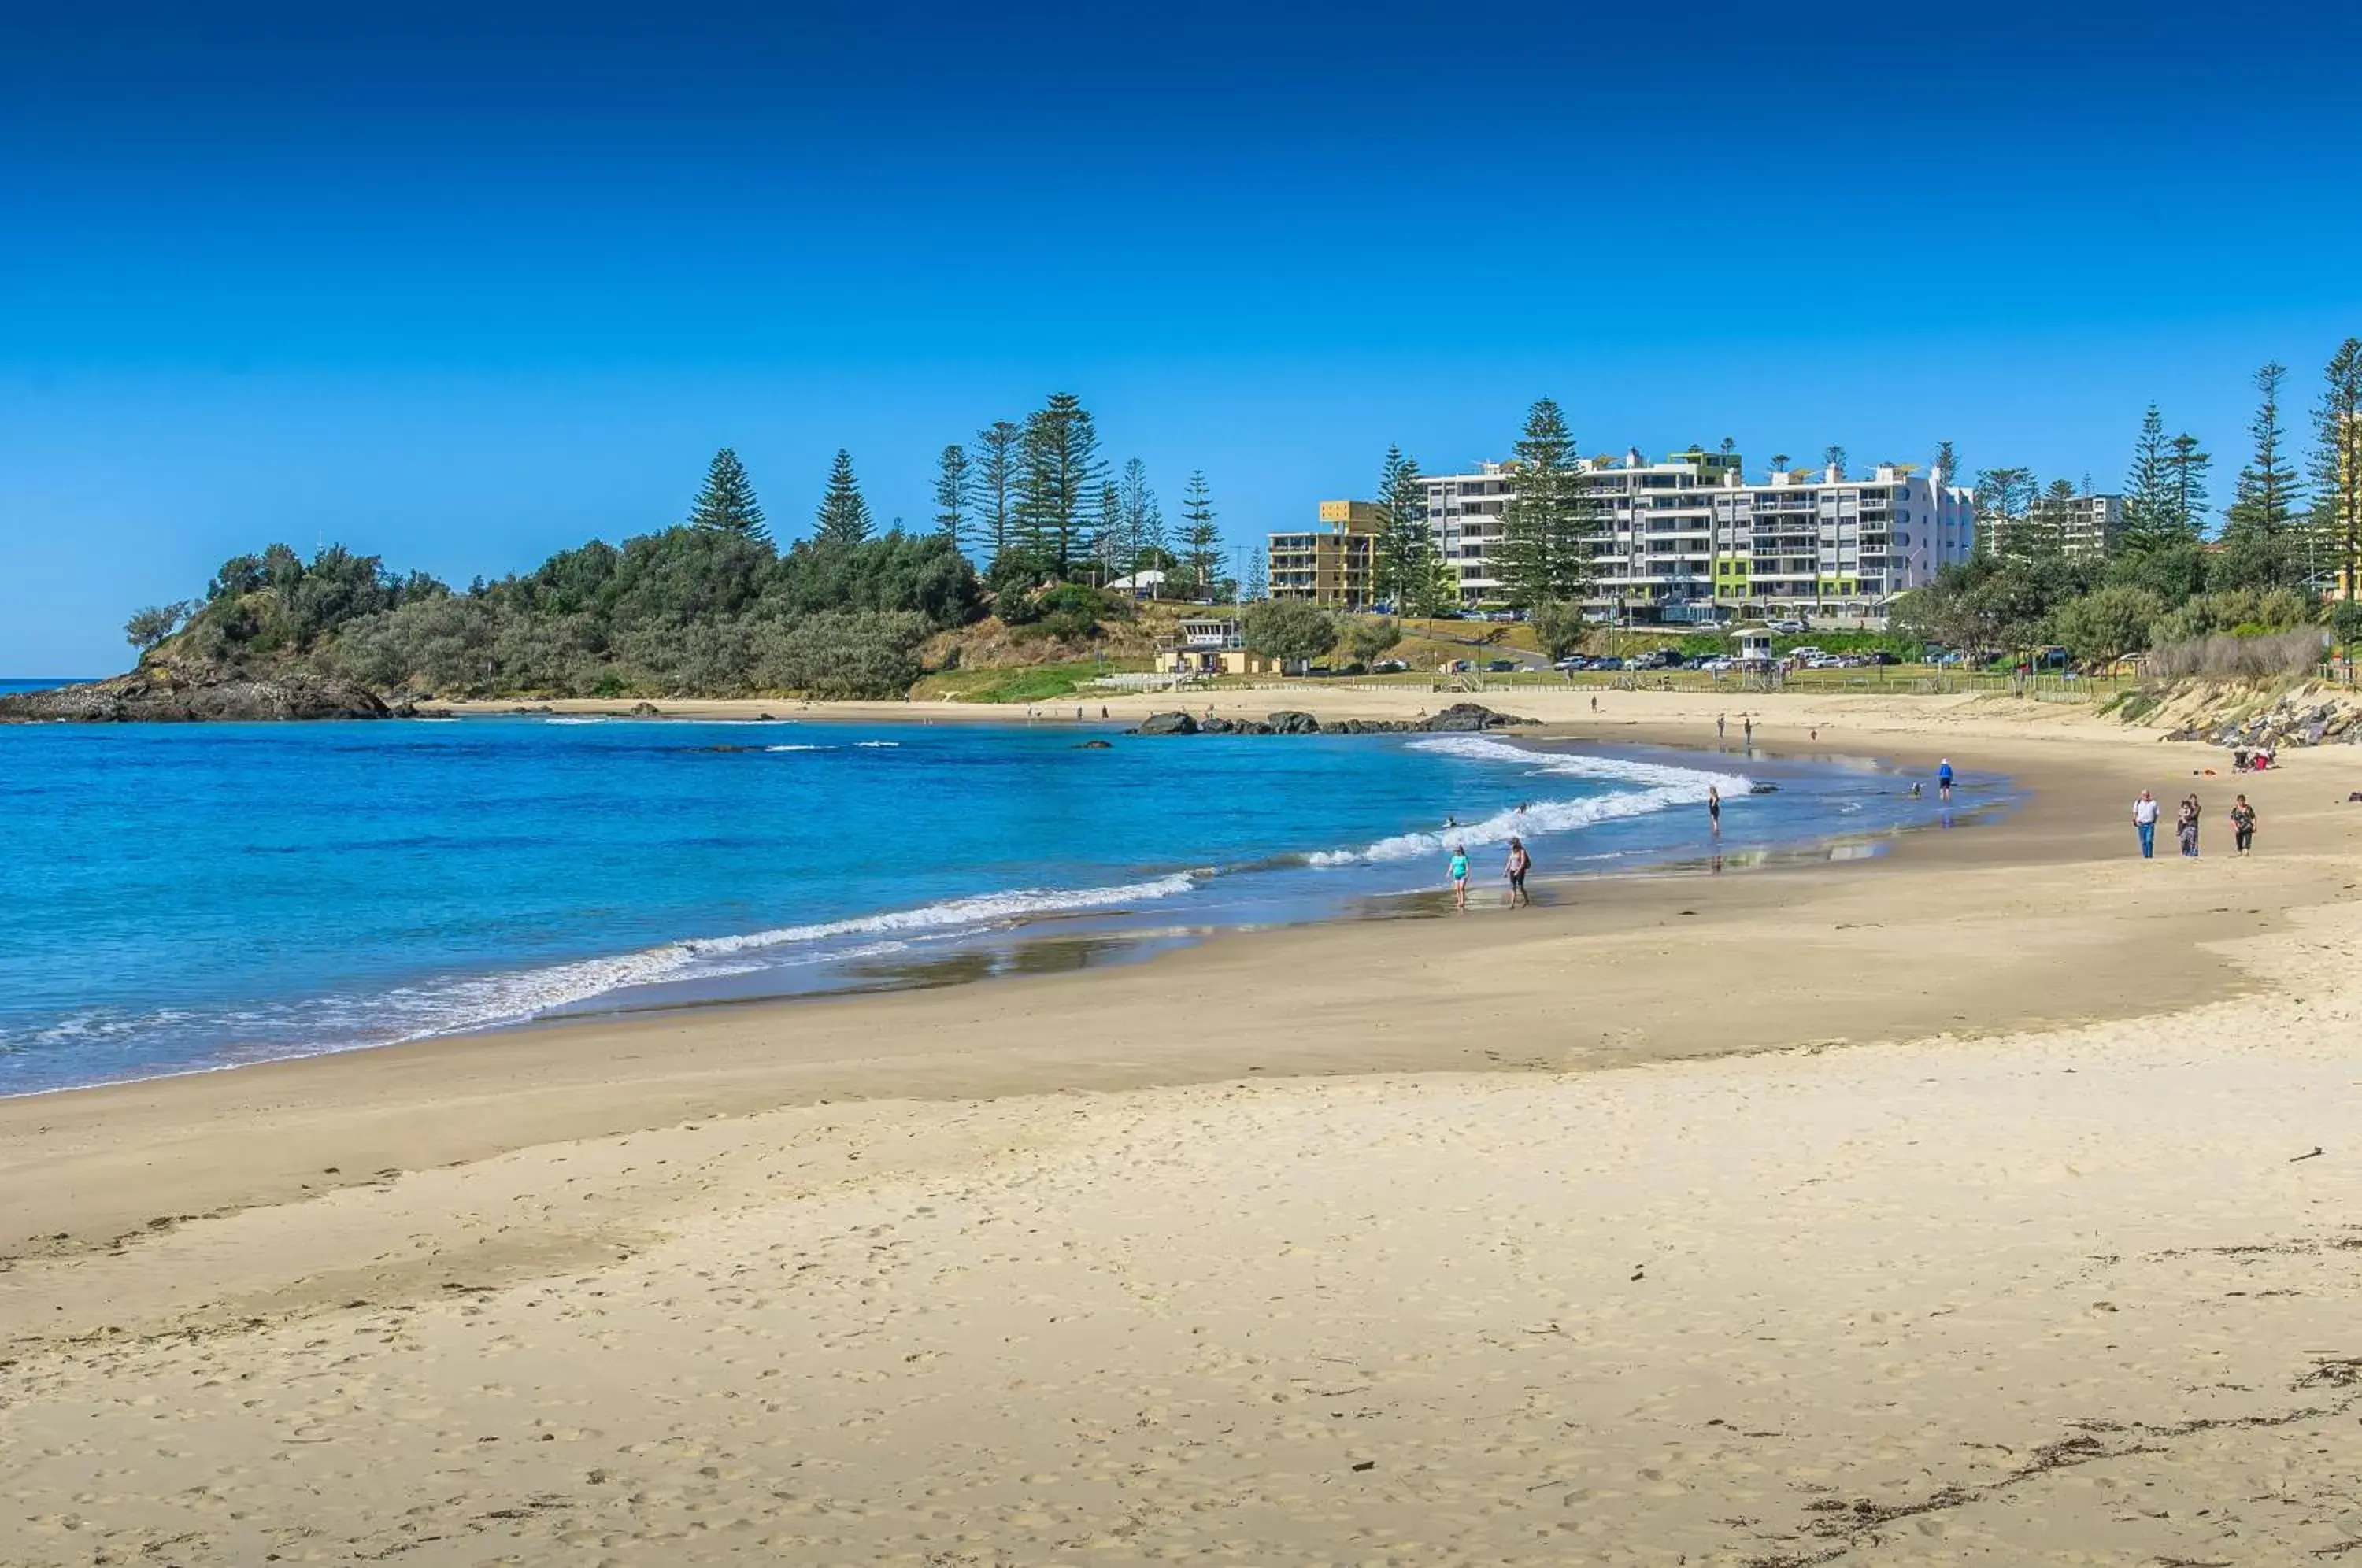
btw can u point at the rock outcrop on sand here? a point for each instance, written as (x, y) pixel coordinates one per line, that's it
(2290, 721)
(1461, 718)
(180, 695)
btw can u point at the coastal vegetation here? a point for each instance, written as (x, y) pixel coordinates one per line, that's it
(713, 605)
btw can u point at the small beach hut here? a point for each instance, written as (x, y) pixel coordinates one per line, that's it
(1755, 644)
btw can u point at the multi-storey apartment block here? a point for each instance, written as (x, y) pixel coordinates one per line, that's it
(1688, 539)
(2088, 528)
(1330, 565)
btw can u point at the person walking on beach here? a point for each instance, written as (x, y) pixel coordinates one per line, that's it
(1460, 877)
(2144, 824)
(1746, 727)
(1519, 864)
(2185, 824)
(1721, 725)
(2243, 827)
(1714, 809)
(1944, 780)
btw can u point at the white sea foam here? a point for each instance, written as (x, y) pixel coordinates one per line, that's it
(1657, 787)
(795, 749)
(514, 998)
(888, 746)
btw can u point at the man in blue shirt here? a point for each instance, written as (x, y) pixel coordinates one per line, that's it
(1944, 780)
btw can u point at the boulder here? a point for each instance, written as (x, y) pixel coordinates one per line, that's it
(646, 711)
(1173, 723)
(1466, 716)
(1293, 721)
(195, 695)
(1096, 745)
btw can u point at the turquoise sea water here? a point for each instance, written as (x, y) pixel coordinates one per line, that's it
(186, 897)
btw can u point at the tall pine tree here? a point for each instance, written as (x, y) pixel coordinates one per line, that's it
(1201, 538)
(2187, 466)
(998, 452)
(2259, 527)
(1059, 477)
(1833, 457)
(726, 503)
(1406, 549)
(1946, 469)
(2152, 520)
(953, 478)
(2337, 468)
(1111, 548)
(1144, 519)
(1546, 543)
(843, 516)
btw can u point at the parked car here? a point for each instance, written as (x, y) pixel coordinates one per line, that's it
(1389, 667)
(1458, 666)
(1572, 661)
(1500, 665)
(1790, 627)
(1718, 664)
(1609, 662)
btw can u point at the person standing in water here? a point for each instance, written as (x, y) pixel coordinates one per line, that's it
(1944, 780)
(1714, 809)
(1460, 877)
(1519, 864)
(2243, 827)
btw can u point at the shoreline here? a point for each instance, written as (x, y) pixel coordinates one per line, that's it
(1974, 1202)
(615, 1072)
(1013, 952)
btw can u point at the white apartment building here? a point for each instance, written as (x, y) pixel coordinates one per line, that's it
(2088, 528)
(1688, 539)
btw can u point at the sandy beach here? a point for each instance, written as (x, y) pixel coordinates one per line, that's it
(1993, 1199)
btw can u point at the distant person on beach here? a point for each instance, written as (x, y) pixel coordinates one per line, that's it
(1721, 725)
(2243, 827)
(1746, 723)
(2144, 824)
(1714, 809)
(2185, 824)
(1594, 704)
(1944, 780)
(1459, 876)
(1519, 864)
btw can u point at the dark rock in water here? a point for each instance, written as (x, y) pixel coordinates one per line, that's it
(1210, 725)
(193, 695)
(1763, 789)
(1465, 716)
(1096, 745)
(1172, 724)
(530, 709)
(1293, 721)
(767, 718)
(724, 749)
(646, 711)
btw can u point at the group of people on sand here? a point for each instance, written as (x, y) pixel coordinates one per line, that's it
(2147, 810)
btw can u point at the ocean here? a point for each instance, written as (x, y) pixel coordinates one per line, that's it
(183, 897)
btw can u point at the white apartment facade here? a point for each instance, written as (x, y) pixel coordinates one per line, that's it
(1689, 539)
(2088, 529)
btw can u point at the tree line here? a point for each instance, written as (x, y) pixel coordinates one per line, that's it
(2283, 553)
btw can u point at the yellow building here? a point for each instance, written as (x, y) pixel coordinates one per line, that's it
(1330, 564)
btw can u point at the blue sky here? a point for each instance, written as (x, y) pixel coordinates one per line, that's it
(464, 285)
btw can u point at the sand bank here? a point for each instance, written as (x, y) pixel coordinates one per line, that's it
(1945, 1207)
